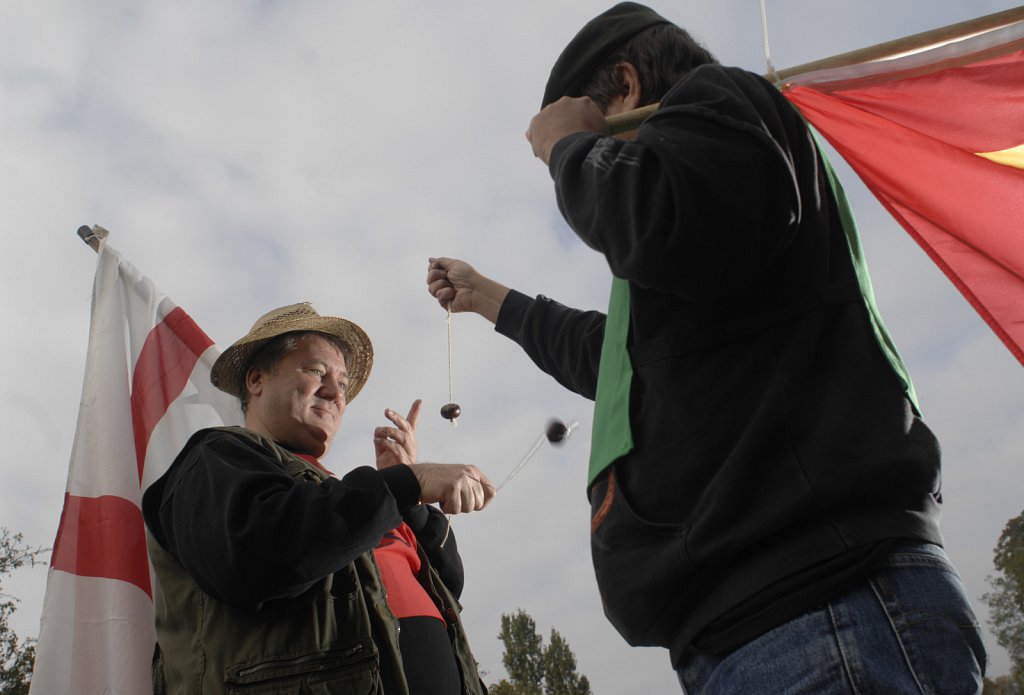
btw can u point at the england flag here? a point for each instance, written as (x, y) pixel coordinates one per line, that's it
(146, 390)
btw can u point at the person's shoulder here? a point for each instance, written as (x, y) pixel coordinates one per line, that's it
(728, 96)
(717, 84)
(220, 443)
(730, 73)
(227, 444)
(165, 485)
(208, 437)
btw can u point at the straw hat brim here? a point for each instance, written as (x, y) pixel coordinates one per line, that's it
(228, 373)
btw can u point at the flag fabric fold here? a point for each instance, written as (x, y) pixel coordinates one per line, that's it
(146, 390)
(938, 137)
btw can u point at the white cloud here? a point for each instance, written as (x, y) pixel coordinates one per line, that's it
(247, 155)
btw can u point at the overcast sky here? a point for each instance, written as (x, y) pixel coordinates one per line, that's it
(247, 155)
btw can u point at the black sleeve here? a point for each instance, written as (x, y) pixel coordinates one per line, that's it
(564, 342)
(402, 483)
(699, 203)
(433, 533)
(248, 532)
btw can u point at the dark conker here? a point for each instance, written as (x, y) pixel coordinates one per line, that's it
(557, 431)
(451, 411)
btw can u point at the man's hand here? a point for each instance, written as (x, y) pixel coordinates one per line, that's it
(458, 286)
(459, 488)
(397, 445)
(564, 117)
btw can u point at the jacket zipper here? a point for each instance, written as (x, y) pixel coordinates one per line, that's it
(277, 663)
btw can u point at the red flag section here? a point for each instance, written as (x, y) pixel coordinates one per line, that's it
(938, 137)
(164, 366)
(102, 537)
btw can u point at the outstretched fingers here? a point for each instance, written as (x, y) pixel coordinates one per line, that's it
(397, 445)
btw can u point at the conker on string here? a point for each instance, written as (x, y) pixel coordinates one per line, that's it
(451, 411)
(557, 431)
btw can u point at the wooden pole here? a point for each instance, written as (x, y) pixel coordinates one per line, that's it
(93, 235)
(910, 44)
(631, 120)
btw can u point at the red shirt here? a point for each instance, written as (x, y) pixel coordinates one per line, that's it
(399, 564)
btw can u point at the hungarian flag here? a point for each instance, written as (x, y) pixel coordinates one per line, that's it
(938, 137)
(147, 389)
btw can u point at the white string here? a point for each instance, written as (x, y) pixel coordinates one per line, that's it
(519, 466)
(767, 51)
(451, 398)
(515, 471)
(447, 531)
(529, 455)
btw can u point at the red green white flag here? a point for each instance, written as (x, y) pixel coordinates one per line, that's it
(938, 137)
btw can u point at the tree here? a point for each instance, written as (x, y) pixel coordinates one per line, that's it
(532, 668)
(1003, 685)
(16, 656)
(1006, 603)
(560, 677)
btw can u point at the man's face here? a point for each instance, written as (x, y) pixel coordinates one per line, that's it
(299, 402)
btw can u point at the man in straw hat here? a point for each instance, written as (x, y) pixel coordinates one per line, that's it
(272, 575)
(757, 448)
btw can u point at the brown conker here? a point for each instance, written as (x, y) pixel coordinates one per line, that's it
(557, 431)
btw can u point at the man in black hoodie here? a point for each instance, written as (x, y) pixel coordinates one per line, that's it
(757, 448)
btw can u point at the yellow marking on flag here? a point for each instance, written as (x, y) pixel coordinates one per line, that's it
(1013, 157)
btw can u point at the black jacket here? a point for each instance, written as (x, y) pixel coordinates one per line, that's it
(771, 434)
(265, 575)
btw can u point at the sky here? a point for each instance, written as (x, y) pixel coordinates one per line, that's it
(247, 155)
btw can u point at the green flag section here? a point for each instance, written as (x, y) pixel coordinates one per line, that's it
(867, 292)
(938, 137)
(612, 437)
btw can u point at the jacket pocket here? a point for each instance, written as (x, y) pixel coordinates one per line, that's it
(640, 565)
(352, 669)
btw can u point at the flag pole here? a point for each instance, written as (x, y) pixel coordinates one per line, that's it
(631, 120)
(93, 235)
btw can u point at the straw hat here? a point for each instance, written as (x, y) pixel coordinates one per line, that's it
(229, 370)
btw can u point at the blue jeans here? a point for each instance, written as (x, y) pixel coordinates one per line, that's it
(907, 628)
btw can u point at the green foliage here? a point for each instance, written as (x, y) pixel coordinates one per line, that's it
(560, 677)
(1004, 685)
(16, 656)
(503, 687)
(534, 669)
(1006, 600)
(523, 657)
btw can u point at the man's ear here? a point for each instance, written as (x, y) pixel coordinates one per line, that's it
(254, 381)
(632, 93)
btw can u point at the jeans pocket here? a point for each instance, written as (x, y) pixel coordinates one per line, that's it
(639, 565)
(929, 610)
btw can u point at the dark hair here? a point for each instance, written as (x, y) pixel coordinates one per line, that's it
(277, 348)
(661, 54)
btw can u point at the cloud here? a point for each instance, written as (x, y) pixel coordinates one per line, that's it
(247, 155)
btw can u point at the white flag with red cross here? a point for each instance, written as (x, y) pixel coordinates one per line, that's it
(146, 390)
